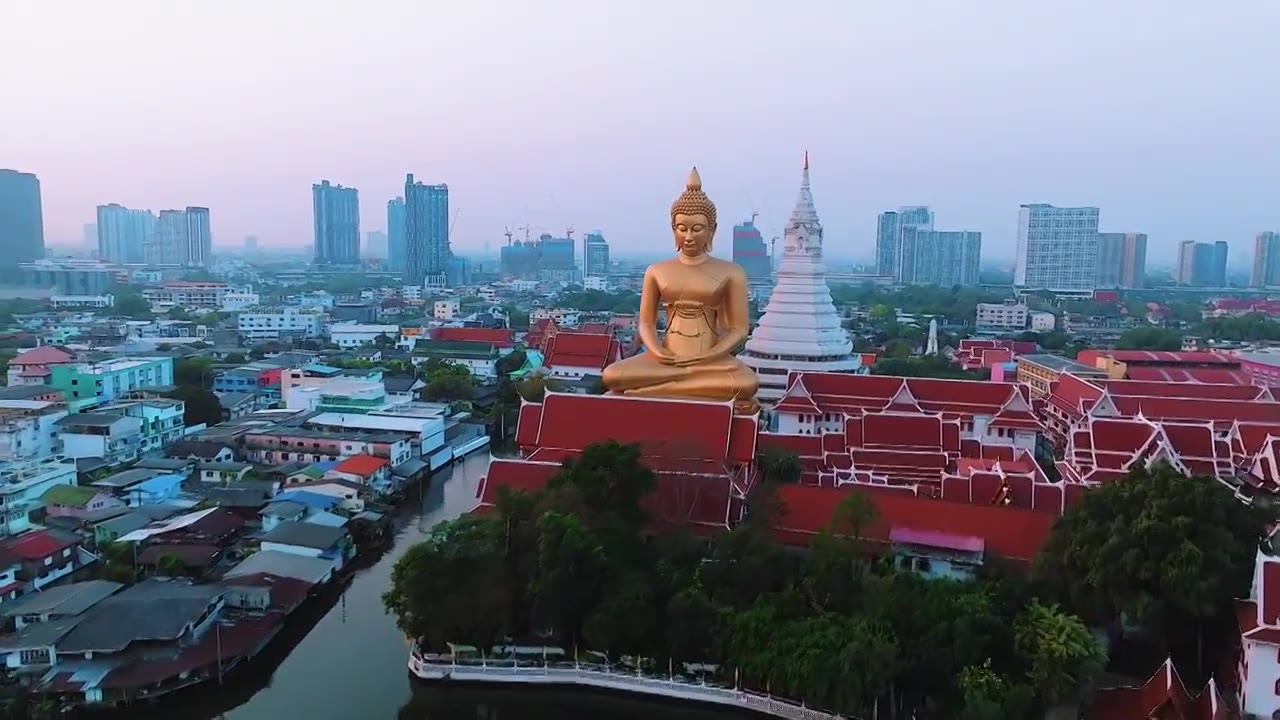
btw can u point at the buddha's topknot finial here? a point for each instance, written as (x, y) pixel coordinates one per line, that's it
(693, 201)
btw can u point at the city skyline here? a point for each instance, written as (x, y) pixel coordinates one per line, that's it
(1159, 137)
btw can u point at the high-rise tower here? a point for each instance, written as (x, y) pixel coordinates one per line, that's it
(396, 250)
(426, 233)
(1057, 249)
(336, 211)
(800, 328)
(1266, 260)
(21, 218)
(123, 233)
(199, 248)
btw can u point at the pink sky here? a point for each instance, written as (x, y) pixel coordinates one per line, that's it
(590, 113)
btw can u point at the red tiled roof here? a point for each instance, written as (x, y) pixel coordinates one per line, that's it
(1207, 391)
(362, 465)
(581, 350)
(1190, 375)
(1157, 357)
(1008, 532)
(1222, 412)
(501, 337)
(237, 636)
(37, 544)
(517, 475)
(1162, 696)
(595, 328)
(43, 355)
(838, 392)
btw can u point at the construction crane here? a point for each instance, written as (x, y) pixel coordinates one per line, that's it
(754, 214)
(526, 230)
(568, 232)
(452, 223)
(508, 234)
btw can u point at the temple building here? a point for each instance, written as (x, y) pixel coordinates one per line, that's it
(800, 329)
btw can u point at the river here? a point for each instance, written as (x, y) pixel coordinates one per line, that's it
(352, 664)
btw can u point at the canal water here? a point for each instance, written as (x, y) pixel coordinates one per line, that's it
(352, 664)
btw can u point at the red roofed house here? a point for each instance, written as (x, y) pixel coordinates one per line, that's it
(976, 353)
(1167, 366)
(573, 355)
(1259, 619)
(702, 453)
(44, 556)
(501, 338)
(363, 469)
(1162, 696)
(32, 366)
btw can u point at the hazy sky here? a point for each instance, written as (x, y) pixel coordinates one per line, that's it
(1164, 113)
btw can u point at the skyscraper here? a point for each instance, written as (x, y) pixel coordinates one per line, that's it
(250, 244)
(1122, 260)
(123, 233)
(1218, 271)
(1057, 248)
(800, 328)
(889, 231)
(750, 252)
(21, 218)
(167, 243)
(336, 210)
(1266, 260)
(426, 233)
(938, 257)
(91, 234)
(397, 252)
(198, 251)
(375, 244)
(1201, 264)
(595, 255)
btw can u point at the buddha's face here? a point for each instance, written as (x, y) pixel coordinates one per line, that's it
(693, 234)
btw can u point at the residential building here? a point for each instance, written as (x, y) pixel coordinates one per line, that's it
(280, 323)
(1039, 372)
(427, 251)
(77, 501)
(115, 439)
(340, 394)
(28, 428)
(480, 358)
(45, 556)
(1202, 264)
(595, 255)
(397, 250)
(88, 384)
(237, 299)
(1122, 260)
(375, 245)
(200, 294)
(198, 251)
(937, 257)
(247, 378)
(122, 233)
(1266, 260)
(1007, 316)
(596, 283)
(1057, 249)
(21, 218)
(32, 367)
(354, 335)
(445, 309)
(162, 420)
(1259, 619)
(281, 444)
(85, 302)
(310, 540)
(750, 251)
(70, 277)
(888, 233)
(1041, 321)
(23, 482)
(800, 328)
(336, 211)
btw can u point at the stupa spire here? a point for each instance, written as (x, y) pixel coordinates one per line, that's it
(804, 230)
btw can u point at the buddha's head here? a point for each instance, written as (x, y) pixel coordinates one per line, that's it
(693, 219)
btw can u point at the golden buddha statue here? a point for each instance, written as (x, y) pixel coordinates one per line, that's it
(706, 303)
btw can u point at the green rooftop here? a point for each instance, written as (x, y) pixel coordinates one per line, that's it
(69, 495)
(455, 348)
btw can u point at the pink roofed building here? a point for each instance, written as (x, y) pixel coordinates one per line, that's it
(33, 366)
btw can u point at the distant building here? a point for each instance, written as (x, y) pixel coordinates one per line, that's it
(91, 234)
(396, 249)
(123, 233)
(1001, 316)
(250, 244)
(1057, 248)
(1122, 260)
(938, 257)
(336, 214)
(557, 260)
(750, 251)
(427, 251)
(1266, 260)
(519, 260)
(164, 245)
(199, 248)
(1202, 264)
(21, 218)
(595, 255)
(375, 244)
(70, 277)
(889, 230)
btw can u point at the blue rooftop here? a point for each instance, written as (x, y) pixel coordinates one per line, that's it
(313, 500)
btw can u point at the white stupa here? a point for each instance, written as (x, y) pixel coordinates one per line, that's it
(800, 329)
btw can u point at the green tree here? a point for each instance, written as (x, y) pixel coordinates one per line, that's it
(571, 573)
(194, 372)
(200, 404)
(1149, 338)
(779, 466)
(510, 362)
(170, 565)
(1061, 654)
(449, 387)
(1157, 547)
(129, 304)
(5, 358)
(610, 481)
(535, 387)
(235, 358)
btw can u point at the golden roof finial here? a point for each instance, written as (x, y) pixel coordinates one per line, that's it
(695, 180)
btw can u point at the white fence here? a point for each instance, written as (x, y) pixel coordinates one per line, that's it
(572, 674)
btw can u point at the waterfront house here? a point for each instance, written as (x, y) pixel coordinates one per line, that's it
(350, 495)
(10, 586)
(281, 511)
(212, 526)
(361, 469)
(155, 490)
(222, 473)
(310, 570)
(195, 560)
(76, 501)
(313, 500)
(45, 556)
(58, 602)
(936, 554)
(282, 444)
(116, 439)
(311, 540)
(23, 483)
(201, 450)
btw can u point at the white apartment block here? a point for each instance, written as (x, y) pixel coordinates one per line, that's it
(1057, 249)
(596, 282)
(1001, 316)
(240, 299)
(21, 485)
(282, 322)
(411, 293)
(1042, 321)
(446, 309)
(28, 428)
(188, 294)
(82, 301)
(354, 335)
